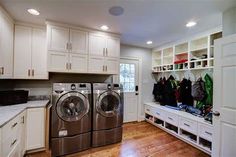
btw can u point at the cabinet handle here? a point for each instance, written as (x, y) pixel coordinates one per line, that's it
(70, 65)
(170, 118)
(106, 51)
(70, 46)
(23, 119)
(67, 46)
(208, 133)
(186, 125)
(147, 109)
(32, 72)
(103, 68)
(3, 70)
(13, 142)
(67, 66)
(28, 72)
(14, 125)
(106, 67)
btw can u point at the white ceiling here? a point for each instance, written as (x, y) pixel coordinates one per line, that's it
(161, 21)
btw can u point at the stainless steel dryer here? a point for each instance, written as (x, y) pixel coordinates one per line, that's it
(107, 114)
(70, 128)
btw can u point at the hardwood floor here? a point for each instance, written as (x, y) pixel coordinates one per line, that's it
(140, 140)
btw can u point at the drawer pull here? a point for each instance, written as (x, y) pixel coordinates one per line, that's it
(186, 125)
(170, 118)
(14, 125)
(13, 142)
(208, 133)
(147, 109)
(157, 113)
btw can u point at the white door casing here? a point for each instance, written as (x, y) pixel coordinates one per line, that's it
(224, 136)
(131, 97)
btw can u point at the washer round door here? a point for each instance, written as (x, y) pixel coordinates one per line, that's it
(108, 103)
(72, 106)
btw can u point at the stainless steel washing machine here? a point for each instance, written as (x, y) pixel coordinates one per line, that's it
(70, 125)
(107, 114)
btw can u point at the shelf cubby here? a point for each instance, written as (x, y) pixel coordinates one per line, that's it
(205, 144)
(199, 44)
(159, 122)
(181, 48)
(149, 117)
(215, 36)
(187, 135)
(171, 128)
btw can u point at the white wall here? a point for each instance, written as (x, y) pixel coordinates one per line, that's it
(147, 79)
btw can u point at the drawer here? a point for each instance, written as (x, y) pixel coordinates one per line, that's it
(11, 128)
(172, 119)
(188, 125)
(8, 144)
(205, 131)
(158, 113)
(148, 109)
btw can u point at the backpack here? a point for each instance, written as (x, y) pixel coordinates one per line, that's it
(198, 90)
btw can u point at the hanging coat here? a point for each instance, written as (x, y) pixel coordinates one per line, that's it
(185, 92)
(209, 89)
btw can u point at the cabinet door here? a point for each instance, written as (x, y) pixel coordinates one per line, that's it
(39, 54)
(6, 47)
(112, 65)
(35, 128)
(113, 47)
(57, 61)
(96, 65)
(58, 38)
(21, 134)
(15, 151)
(79, 41)
(79, 63)
(22, 52)
(97, 45)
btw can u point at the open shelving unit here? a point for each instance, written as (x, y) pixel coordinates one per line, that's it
(194, 54)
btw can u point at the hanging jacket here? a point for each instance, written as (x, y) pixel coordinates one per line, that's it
(169, 92)
(198, 90)
(158, 91)
(185, 92)
(209, 89)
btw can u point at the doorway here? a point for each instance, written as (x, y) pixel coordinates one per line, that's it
(129, 78)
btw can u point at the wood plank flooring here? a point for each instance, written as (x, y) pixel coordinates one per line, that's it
(140, 140)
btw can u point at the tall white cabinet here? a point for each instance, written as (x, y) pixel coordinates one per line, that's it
(104, 53)
(77, 50)
(30, 55)
(67, 49)
(6, 45)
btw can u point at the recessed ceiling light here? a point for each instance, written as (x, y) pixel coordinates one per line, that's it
(104, 27)
(33, 11)
(149, 42)
(191, 24)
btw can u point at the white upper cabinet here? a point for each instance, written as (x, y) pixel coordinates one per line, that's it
(22, 52)
(39, 55)
(78, 63)
(112, 65)
(100, 45)
(30, 55)
(78, 41)
(76, 50)
(113, 47)
(6, 45)
(58, 38)
(97, 45)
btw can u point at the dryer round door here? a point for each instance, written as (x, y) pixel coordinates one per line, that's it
(108, 103)
(72, 106)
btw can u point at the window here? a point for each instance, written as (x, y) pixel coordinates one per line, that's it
(127, 77)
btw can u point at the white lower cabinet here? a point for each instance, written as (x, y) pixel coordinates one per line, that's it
(189, 128)
(23, 133)
(35, 128)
